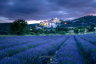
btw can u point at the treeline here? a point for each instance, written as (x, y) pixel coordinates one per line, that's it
(49, 31)
(63, 30)
(81, 29)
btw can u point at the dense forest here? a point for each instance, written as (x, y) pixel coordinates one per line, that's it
(82, 21)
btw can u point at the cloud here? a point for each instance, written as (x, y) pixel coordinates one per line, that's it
(46, 9)
(5, 20)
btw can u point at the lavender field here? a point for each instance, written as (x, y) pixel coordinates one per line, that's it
(59, 49)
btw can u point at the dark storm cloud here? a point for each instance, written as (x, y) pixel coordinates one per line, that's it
(46, 9)
(72, 3)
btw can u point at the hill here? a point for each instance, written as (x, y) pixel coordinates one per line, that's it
(33, 25)
(82, 21)
(4, 28)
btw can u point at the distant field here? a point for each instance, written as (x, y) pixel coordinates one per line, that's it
(57, 49)
(49, 34)
(6, 35)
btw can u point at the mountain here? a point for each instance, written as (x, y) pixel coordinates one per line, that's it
(82, 21)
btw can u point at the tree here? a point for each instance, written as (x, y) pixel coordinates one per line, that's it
(76, 30)
(58, 28)
(62, 32)
(19, 27)
(88, 28)
(92, 27)
(82, 30)
(66, 29)
(80, 27)
(32, 33)
(47, 32)
(41, 31)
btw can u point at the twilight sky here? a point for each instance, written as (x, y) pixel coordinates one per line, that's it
(34, 11)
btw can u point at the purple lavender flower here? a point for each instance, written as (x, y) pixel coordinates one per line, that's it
(69, 53)
(31, 56)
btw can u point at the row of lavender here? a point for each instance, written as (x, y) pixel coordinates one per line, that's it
(20, 48)
(30, 43)
(68, 54)
(29, 56)
(6, 42)
(89, 37)
(88, 50)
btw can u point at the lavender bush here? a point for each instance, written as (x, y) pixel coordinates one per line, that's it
(90, 38)
(87, 48)
(68, 54)
(32, 55)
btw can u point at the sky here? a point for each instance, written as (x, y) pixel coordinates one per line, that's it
(35, 11)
